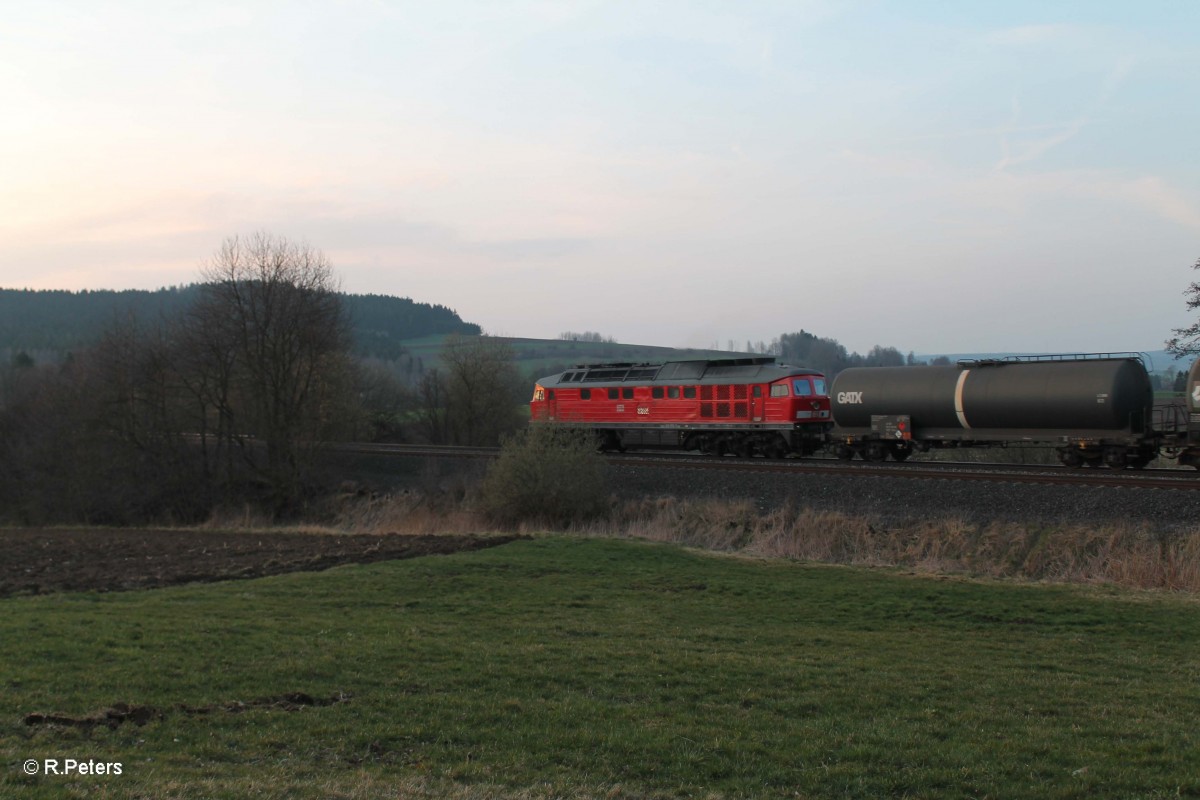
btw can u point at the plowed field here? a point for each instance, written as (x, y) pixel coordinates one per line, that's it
(45, 561)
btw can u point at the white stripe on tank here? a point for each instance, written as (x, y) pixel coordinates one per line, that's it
(958, 398)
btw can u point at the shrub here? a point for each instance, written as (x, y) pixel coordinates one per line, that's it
(547, 476)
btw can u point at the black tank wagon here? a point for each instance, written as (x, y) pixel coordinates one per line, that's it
(1190, 452)
(1093, 409)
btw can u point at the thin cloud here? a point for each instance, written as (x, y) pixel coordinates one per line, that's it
(1028, 152)
(1167, 201)
(1025, 35)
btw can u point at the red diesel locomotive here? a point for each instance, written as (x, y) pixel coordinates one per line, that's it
(744, 406)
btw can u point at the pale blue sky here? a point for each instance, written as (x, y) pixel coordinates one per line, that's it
(934, 176)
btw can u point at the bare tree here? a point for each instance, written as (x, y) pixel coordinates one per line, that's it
(272, 339)
(1186, 341)
(484, 390)
(433, 411)
(383, 404)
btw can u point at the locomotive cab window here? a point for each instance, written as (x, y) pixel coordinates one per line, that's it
(779, 390)
(802, 387)
(539, 394)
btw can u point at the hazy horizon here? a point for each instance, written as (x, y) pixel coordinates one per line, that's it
(965, 178)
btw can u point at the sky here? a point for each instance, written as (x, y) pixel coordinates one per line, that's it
(932, 176)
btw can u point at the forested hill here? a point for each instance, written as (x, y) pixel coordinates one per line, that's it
(59, 322)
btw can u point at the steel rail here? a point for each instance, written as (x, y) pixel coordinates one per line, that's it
(998, 473)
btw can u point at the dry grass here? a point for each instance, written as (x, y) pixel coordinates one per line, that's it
(1122, 554)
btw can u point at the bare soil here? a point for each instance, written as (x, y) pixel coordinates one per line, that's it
(101, 560)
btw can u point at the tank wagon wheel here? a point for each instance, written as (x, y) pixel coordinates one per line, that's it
(875, 452)
(1114, 457)
(1070, 458)
(843, 452)
(901, 453)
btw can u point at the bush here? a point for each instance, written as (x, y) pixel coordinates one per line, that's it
(547, 476)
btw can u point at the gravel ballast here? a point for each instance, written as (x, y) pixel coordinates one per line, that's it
(900, 499)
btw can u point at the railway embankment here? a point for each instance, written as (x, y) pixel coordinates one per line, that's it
(896, 499)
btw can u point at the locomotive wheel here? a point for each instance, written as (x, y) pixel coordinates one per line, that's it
(607, 441)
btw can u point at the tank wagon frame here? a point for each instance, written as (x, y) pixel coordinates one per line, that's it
(743, 406)
(1093, 408)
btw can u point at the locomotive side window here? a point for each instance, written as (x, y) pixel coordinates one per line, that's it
(689, 393)
(627, 393)
(779, 390)
(612, 394)
(657, 393)
(673, 392)
(819, 386)
(758, 391)
(801, 386)
(585, 394)
(550, 394)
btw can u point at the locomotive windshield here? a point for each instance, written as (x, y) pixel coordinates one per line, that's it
(801, 387)
(819, 386)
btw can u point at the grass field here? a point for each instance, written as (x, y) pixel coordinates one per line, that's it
(592, 668)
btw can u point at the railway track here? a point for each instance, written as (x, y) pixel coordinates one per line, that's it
(927, 470)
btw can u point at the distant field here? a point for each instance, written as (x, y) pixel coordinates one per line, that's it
(537, 357)
(587, 668)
